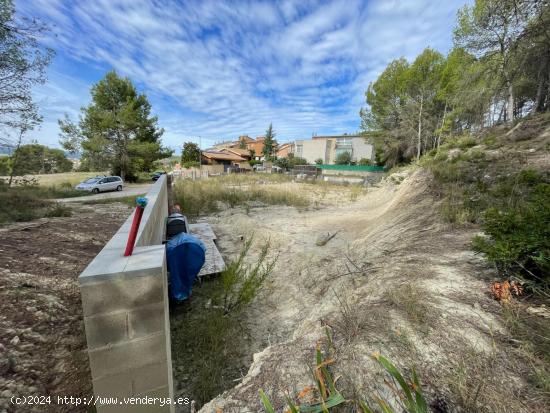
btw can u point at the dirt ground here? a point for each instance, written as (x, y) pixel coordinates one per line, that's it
(394, 280)
(42, 342)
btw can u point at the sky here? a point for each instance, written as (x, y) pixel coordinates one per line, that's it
(217, 70)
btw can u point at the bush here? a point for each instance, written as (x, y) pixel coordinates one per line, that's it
(242, 282)
(19, 205)
(365, 162)
(343, 158)
(318, 161)
(58, 210)
(191, 164)
(517, 237)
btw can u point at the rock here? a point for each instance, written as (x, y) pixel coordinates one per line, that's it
(7, 394)
(15, 341)
(453, 153)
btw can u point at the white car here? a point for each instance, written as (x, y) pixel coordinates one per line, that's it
(101, 184)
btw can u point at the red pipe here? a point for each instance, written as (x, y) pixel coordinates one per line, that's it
(134, 229)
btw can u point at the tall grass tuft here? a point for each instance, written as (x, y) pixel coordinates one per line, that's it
(411, 396)
(242, 282)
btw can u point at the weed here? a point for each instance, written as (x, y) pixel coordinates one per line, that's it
(352, 318)
(20, 204)
(410, 396)
(58, 210)
(412, 300)
(326, 395)
(242, 282)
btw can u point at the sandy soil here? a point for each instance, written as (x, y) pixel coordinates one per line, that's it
(394, 280)
(42, 343)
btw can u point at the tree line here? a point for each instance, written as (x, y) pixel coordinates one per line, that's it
(497, 71)
(116, 131)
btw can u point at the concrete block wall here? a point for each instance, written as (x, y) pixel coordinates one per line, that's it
(125, 306)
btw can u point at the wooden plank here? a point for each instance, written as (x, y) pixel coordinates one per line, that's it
(214, 262)
(202, 230)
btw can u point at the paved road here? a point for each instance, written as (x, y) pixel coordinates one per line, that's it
(130, 190)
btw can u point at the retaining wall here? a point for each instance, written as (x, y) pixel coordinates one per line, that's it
(125, 306)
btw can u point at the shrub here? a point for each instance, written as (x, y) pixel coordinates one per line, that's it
(242, 282)
(517, 237)
(318, 161)
(18, 204)
(343, 158)
(58, 210)
(365, 162)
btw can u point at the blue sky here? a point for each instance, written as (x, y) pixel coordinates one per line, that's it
(221, 69)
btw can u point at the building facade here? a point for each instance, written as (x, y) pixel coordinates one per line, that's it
(327, 148)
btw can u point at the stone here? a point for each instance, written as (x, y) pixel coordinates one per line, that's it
(15, 341)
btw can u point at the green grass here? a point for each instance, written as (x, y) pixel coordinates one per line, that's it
(21, 204)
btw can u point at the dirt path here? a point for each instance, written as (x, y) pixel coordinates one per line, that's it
(129, 190)
(42, 343)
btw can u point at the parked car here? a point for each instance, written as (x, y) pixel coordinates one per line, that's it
(101, 184)
(157, 175)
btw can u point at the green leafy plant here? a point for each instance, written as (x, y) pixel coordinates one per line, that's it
(517, 237)
(241, 281)
(409, 393)
(327, 394)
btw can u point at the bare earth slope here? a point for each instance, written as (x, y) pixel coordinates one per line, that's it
(394, 280)
(42, 342)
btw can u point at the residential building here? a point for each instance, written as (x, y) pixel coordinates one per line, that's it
(327, 148)
(283, 150)
(243, 153)
(257, 145)
(227, 159)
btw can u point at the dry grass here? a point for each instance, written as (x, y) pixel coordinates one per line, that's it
(209, 195)
(71, 177)
(412, 300)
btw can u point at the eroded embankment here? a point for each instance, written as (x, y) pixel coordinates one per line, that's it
(395, 280)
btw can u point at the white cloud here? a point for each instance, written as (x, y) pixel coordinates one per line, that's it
(220, 69)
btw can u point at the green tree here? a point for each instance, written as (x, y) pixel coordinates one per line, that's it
(5, 166)
(343, 158)
(39, 159)
(423, 78)
(386, 98)
(270, 144)
(491, 28)
(23, 63)
(191, 153)
(116, 129)
(318, 161)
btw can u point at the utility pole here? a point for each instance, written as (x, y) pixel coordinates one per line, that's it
(200, 157)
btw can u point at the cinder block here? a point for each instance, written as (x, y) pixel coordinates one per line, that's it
(146, 320)
(104, 329)
(118, 358)
(132, 382)
(122, 293)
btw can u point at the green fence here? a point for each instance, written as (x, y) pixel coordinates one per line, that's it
(356, 168)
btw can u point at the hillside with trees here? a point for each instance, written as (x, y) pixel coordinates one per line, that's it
(498, 71)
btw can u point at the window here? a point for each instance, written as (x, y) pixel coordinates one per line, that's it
(299, 150)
